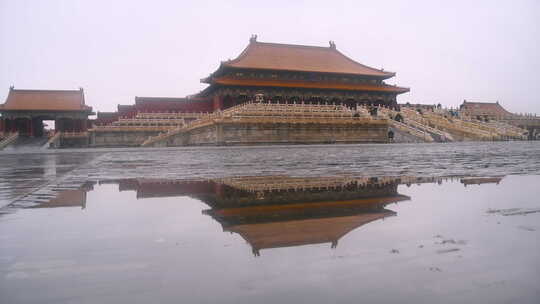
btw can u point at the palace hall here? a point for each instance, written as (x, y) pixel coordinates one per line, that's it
(298, 73)
(281, 73)
(271, 93)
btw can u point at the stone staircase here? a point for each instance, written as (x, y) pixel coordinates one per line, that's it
(503, 129)
(162, 136)
(268, 113)
(415, 125)
(459, 127)
(444, 126)
(202, 120)
(423, 136)
(151, 121)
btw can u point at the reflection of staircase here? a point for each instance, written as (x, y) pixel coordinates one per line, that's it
(27, 143)
(8, 140)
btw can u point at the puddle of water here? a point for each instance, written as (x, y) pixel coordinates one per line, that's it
(272, 239)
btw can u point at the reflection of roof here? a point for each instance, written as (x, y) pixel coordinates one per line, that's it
(310, 84)
(275, 212)
(148, 188)
(66, 198)
(47, 100)
(304, 232)
(284, 225)
(274, 56)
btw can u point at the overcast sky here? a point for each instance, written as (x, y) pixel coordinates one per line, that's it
(445, 51)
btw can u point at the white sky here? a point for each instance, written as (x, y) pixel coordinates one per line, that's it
(445, 51)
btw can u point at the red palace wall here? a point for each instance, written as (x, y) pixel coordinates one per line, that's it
(174, 106)
(154, 105)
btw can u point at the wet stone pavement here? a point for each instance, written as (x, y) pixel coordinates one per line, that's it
(439, 223)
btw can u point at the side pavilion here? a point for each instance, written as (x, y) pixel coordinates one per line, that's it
(25, 110)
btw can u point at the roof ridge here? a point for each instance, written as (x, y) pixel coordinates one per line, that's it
(43, 90)
(242, 55)
(327, 48)
(256, 48)
(40, 99)
(254, 42)
(363, 65)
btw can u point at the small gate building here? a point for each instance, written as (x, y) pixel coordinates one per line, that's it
(25, 110)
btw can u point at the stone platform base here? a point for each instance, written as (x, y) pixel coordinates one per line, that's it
(224, 133)
(119, 138)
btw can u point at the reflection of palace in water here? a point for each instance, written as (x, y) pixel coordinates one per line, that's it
(278, 211)
(282, 211)
(68, 198)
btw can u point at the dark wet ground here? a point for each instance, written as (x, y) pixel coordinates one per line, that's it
(22, 172)
(364, 224)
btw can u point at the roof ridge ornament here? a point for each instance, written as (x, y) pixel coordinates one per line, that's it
(253, 38)
(332, 44)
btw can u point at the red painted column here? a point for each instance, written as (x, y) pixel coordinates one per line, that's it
(31, 124)
(218, 102)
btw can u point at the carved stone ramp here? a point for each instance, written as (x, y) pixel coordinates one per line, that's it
(9, 140)
(26, 143)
